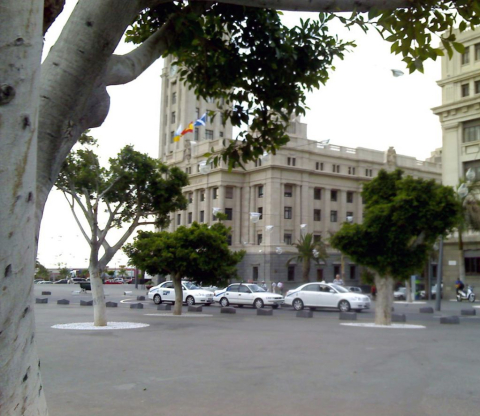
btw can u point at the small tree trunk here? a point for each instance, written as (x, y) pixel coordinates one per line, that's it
(408, 288)
(461, 265)
(306, 270)
(177, 284)
(383, 305)
(98, 296)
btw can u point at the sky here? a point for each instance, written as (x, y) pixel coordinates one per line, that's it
(362, 105)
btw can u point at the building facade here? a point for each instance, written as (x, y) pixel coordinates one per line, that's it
(306, 187)
(459, 115)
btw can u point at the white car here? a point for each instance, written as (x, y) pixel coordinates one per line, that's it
(400, 293)
(192, 294)
(325, 295)
(247, 294)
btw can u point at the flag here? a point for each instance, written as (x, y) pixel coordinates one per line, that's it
(178, 134)
(201, 121)
(189, 129)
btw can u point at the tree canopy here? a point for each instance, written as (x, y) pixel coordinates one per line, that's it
(403, 218)
(308, 250)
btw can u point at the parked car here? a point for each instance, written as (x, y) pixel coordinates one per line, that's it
(354, 289)
(192, 294)
(45, 282)
(112, 282)
(326, 295)
(37, 281)
(61, 282)
(77, 280)
(434, 292)
(400, 293)
(119, 280)
(247, 294)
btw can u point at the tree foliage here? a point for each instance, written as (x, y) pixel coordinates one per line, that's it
(41, 272)
(403, 218)
(198, 252)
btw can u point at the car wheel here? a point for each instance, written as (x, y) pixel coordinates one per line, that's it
(157, 300)
(190, 300)
(344, 306)
(297, 304)
(258, 303)
(274, 306)
(224, 302)
(471, 298)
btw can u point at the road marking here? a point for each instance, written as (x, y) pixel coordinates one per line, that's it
(392, 326)
(190, 315)
(86, 326)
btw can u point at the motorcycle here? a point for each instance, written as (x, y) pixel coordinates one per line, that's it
(466, 295)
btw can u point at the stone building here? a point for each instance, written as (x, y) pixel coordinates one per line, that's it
(308, 186)
(459, 115)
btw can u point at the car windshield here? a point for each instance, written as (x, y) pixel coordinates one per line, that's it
(191, 286)
(255, 288)
(340, 289)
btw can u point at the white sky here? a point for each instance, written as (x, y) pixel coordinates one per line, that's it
(362, 105)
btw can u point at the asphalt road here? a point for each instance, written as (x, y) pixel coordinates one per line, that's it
(243, 364)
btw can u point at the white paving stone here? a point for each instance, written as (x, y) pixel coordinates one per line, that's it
(87, 326)
(393, 326)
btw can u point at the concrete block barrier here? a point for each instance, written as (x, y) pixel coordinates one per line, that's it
(86, 303)
(399, 317)
(111, 304)
(265, 312)
(195, 308)
(164, 307)
(228, 310)
(140, 297)
(127, 293)
(427, 309)
(455, 320)
(136, 306)
(39, 300)
(304, 314)
(348, 316)
(44, 293)
(469, 312)
(63, 302)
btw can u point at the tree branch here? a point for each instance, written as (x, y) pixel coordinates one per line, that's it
(72, 208)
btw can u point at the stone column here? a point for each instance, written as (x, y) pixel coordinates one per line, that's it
(326, 207)
(251, 208)
(297, 211)
(208, 205)
(195, 205)
(237, 216)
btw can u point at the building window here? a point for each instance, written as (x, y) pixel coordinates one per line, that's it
(333, 195)
(229, 192)
(291, 273)
(215, 193)
(208, 134)
(260, 211)
(287, 239)
(190, 197)
(174, 97)
(172, 135)
(466, 56)
(179, 219)
(317, 165)
(197, 113)
(255, 273)
(288, 191)
(202, 196)
(290, 161)
(259, 239)
(202, 216)
(465, 90)
(260, 191)
(196, 134)
(353, 272)
(258, 163)
(351, 170)
(229, 213)
(229, 239)
(221, 134)
(472, 265)
(475, 166)
(317, 213)
(477, 87)
(333, 216)
(190, 216)
(317, 193)
(336, 269)
(349, 197)
(317, 238)
(336, 168)
(477, 51)
(287, 213)
(471, 131)
(368, 172)
(349, 216)
(173, 117)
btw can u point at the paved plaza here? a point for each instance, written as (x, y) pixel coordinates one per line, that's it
(242, 364)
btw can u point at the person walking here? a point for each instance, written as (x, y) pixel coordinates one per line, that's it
(274, 287)
(280, 287)
(338, 280)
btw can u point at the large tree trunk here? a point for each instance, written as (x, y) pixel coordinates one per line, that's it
(306, 270)
(384, 301)
(98, 296)
(21, 391)
(177, 284)
(408, 290)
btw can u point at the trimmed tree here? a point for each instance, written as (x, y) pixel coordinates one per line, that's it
(135, 190)
(308, 250)
(403, 219)
(198, 252)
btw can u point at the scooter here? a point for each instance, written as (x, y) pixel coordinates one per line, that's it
(466, 295)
